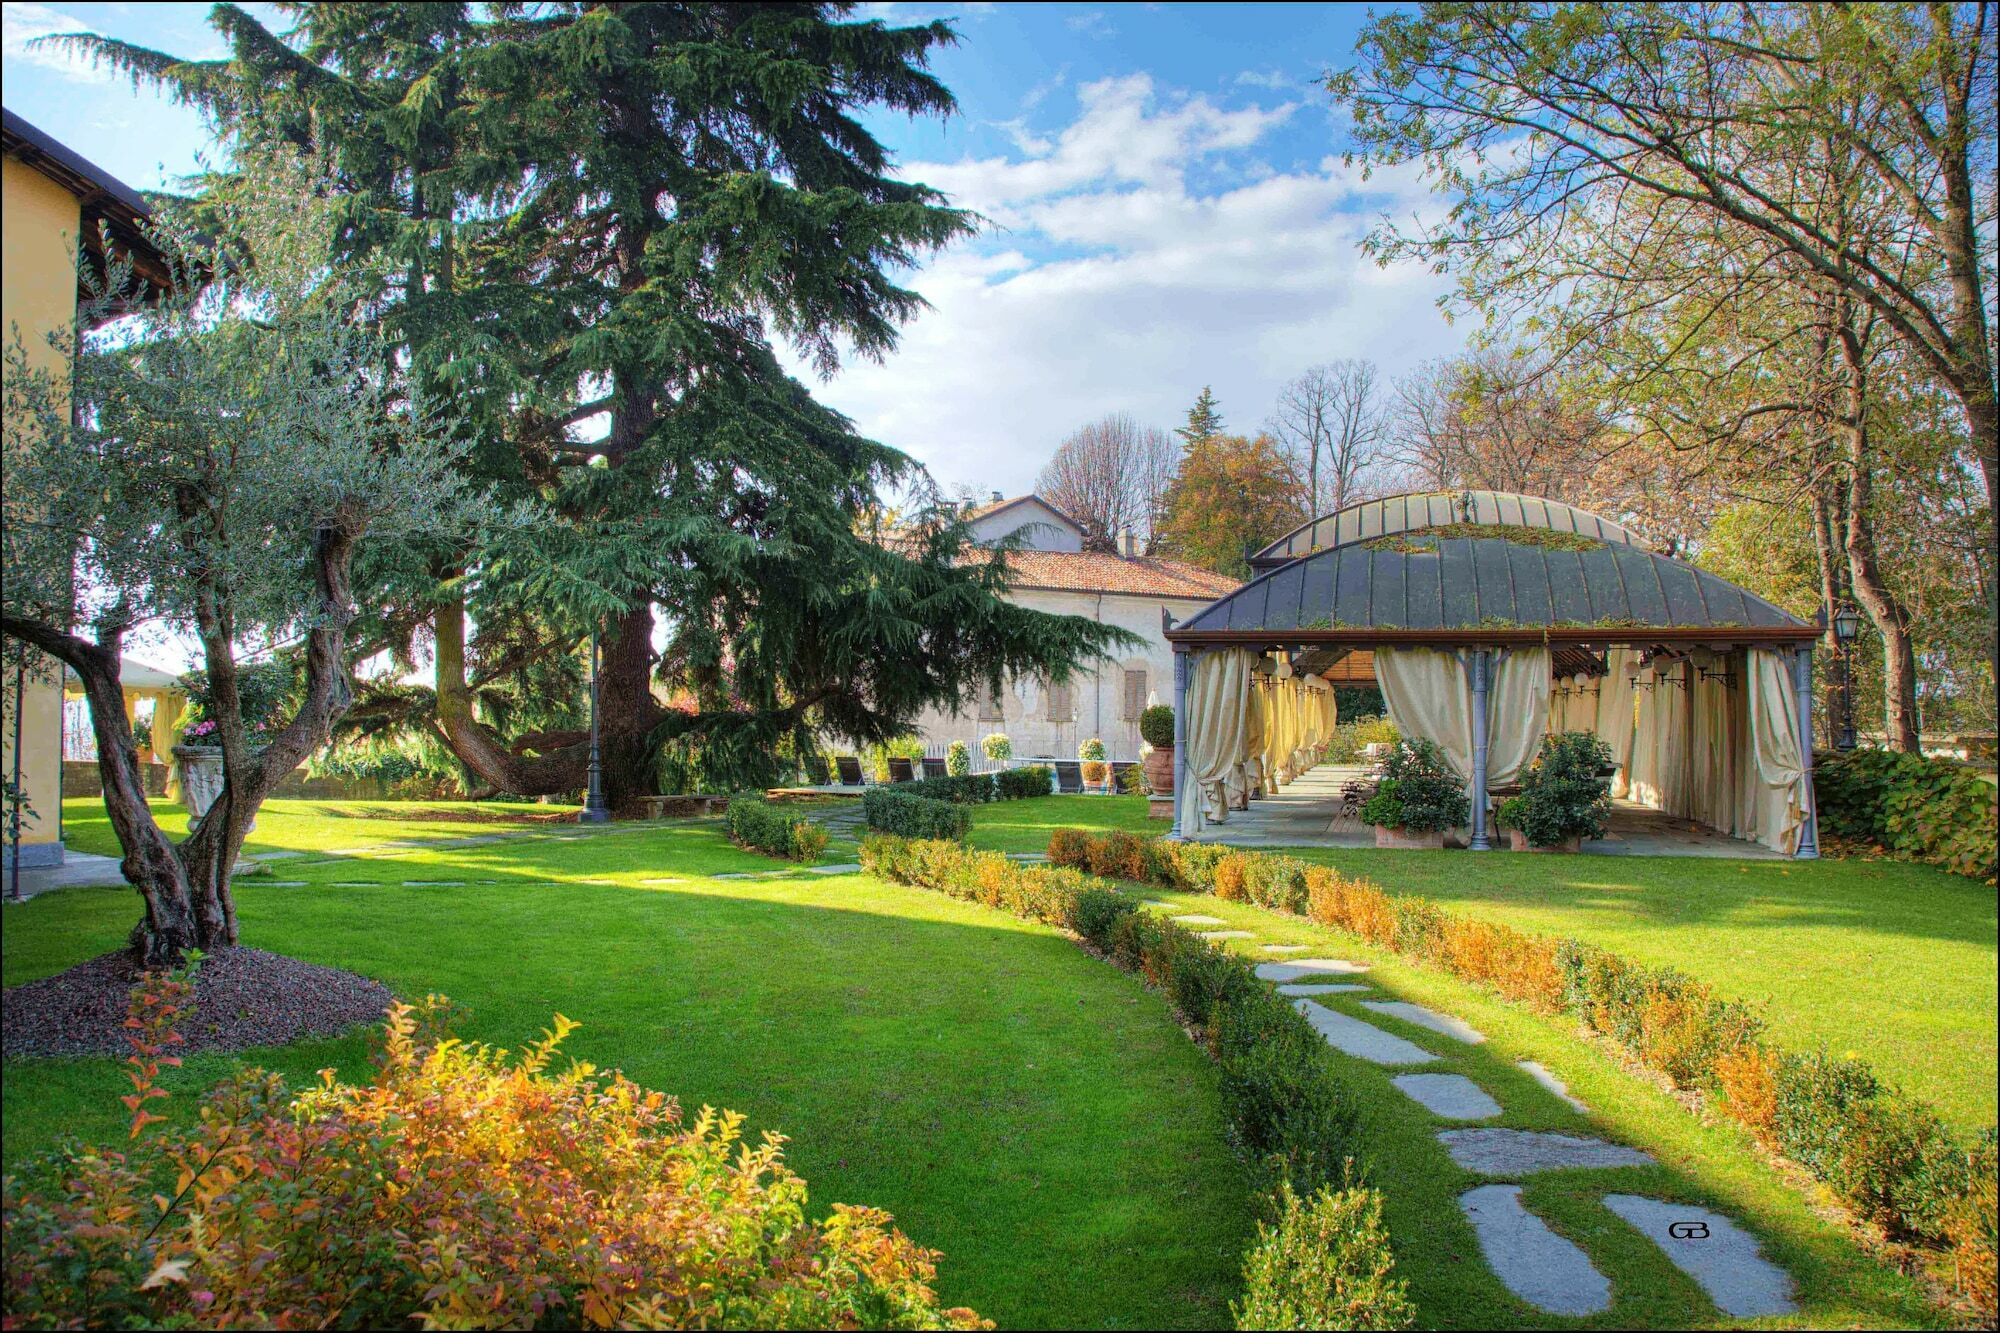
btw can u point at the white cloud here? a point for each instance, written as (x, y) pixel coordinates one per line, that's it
(1092, 23)
(1275, 79)
(1126, 288)
(21, 24)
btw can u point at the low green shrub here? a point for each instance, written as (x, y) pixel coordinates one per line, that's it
(755, 823)
(1889, 1157)
(1419, 791)
(1324, 1262)
(1914, 808)
(966, 789)
(901, 811)
(1350, 740)
(460, 1186)
(1562, 796)
(1015, 784)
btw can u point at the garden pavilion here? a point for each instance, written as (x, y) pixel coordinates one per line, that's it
(1490, 620)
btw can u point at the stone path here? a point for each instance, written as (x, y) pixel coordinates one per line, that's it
(1536, 1264)
(1540, 1266)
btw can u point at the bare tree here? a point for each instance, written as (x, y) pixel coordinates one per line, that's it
(1493, 421)
(1111, 476)
(1331, 424)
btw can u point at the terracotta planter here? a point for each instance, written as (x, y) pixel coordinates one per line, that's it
(1518, 841)
(1160, 770)
(1406, 840)
(1096, 774)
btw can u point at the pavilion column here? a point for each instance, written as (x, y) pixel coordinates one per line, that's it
(1480, 668)
(1183, 669)
(1808, 848)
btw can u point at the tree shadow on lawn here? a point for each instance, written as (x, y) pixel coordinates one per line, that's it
(1023, 1108)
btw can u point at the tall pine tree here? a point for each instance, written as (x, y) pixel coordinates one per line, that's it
(1204, 420)
(601, 216)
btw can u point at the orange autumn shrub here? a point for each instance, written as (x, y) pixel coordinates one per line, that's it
(1070, 847)
(1974, 1234)
(1747, 1078)
(1229, 875)
(461, 1188)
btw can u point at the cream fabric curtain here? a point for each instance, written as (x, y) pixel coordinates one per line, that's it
(1775, 754)
(1715, 783)
(1267, 702)
(1247, 779)
(1216, 729)
(1615, 713)
(1426, 693)
(1659, 768)
(1517, 713)
(1429, 695)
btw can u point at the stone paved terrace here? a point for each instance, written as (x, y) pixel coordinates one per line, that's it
(1307, 814)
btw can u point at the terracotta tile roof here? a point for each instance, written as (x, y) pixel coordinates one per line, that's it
(1100, 571)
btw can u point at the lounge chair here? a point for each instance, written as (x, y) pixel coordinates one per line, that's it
(849, 771)
(934, 768)
(1069, 777)
(900, 771)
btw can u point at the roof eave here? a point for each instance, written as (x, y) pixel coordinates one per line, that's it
(1486, 636)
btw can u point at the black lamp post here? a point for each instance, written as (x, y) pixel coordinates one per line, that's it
(1846, 625)
(594, 809)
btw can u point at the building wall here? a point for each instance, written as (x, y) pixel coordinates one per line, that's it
(1098, 695)
(37, 295)
(1047, 530)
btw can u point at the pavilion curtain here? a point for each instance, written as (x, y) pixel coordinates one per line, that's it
(1659, 768)
(1426, 694)
(1217, 722)
(1267, 701)
(1247, 779)
(1615, 713)
(1517, 713)
(1774, 750)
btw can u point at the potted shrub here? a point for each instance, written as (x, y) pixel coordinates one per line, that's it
(1563, 798)
(1420, 797)
(1096, 773)
(1156, 728)
(958, 759)
(1507, 819)
(997, 747)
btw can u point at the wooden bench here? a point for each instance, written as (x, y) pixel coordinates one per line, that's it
(684, 807)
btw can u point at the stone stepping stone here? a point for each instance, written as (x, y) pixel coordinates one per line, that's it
(1364, 1041)
(846, 869)
(1155, 902)
(359, 884)
(1444, 1024)
(1530, 1260)
(283, 883)
(277, 855)
(1227, 935)
(1453, 1096)
(1336, 988)
(433, 883)
(1199, 920)
(657, 879)
(1521, 1152)
(1307, 967)
(746, 874)
(1286, 948)
(1548, 1080)
(1719, 1255)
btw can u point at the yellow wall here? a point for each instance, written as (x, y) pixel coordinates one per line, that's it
(37, 295)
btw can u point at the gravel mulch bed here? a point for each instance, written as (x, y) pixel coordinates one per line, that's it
(243, 997)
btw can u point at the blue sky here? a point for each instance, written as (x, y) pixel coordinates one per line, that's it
(1167, 210)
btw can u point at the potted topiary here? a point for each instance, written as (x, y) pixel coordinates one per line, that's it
(1564, 799)
(1096, 773)
(1420, 797)
(958, 759)
(1156, 728)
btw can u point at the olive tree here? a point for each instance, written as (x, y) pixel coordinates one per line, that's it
(214, 459)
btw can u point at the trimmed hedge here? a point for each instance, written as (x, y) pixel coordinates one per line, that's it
(895, 810)
(978, 788)
(1015, 784)
(755, 823)
(1286, 1107)
(1914, 808)
(1888, 1156)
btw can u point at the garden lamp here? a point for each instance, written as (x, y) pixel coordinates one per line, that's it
(594, 809)
(1846, 625)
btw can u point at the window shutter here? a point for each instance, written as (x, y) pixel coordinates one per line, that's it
(1062, 703)
(1135, 693)
(992, 708)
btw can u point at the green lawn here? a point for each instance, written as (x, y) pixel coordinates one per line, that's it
(1894, 962)
(1025, 1109)
(320, 826)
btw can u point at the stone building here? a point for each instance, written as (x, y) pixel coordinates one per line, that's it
(1053, 572)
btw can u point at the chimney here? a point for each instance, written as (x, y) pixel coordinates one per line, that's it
(1128, 543)
(997, 497)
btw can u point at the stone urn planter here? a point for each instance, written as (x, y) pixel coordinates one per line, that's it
(1409, 839)
(200, 772)
(1159, 763)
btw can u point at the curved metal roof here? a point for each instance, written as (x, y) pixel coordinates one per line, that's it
(1435, 509)
(1486, 584)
